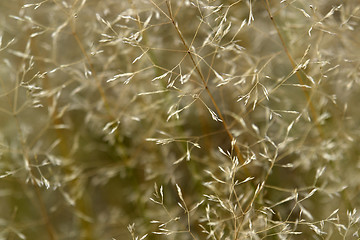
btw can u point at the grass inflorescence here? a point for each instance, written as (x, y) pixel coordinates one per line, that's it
(189, 119)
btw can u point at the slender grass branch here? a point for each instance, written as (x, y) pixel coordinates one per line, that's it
(197, 69)
(297, 73)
